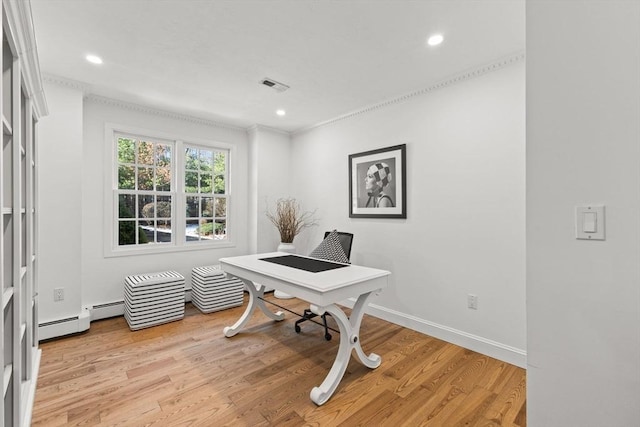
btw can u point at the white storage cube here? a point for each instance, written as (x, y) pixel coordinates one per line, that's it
(212, 290)
(153, 299)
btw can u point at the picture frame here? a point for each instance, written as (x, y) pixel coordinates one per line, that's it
(378, 183)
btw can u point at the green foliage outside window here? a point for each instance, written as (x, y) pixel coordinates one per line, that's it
(208, 228)
(127, 229)
(205, 171)
(149, 161)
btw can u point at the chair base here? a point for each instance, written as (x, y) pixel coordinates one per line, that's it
(308, 315)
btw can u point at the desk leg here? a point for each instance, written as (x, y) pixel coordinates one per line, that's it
(349, 340)
(254, 300)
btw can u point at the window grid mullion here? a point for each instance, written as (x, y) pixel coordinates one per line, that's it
(178, 182)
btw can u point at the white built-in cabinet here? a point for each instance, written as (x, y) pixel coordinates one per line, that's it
(22, 104)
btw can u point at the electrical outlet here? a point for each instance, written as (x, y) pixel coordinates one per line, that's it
(472, 301)
(58, 294)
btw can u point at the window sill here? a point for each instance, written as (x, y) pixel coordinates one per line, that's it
(162, 249)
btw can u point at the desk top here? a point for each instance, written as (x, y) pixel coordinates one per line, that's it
(313, 265)
(319, 288)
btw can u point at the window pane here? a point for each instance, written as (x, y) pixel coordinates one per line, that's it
(219, 167)
(191, 230)
(193, 207)
(145, 178)
(205, 183)
(146, 207)
(220, 229)
(126, 150)
(163, 179)
(145, 153)
(126, 178)
(206, 160)
(219, 185)
(163, 208)
(163, 155)
(127, 233)
(207, 207)
(221, 207)
(146, 232)
(191, 182)
(206, 229)
(126, 206)
(163, 231)
(191, 156)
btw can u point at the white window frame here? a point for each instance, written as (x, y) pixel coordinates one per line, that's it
(178, 214)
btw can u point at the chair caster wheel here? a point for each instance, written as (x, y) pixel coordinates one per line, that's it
(297, 328)
(327, 337)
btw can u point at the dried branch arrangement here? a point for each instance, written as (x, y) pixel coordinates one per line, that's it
(289, 219)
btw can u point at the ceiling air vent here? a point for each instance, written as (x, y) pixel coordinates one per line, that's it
(280, 87)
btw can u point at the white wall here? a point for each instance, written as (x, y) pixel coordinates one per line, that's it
(465, 227)
(59, 216)
(271, 171)
(583, 147)
(102, 278)
(71, 152)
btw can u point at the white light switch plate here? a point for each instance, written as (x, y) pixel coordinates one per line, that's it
(590, 223)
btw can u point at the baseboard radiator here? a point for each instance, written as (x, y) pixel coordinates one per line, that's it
(71, 325)
(66, 326)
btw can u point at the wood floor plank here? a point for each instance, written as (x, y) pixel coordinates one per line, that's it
(187, 373)
(50, 420)
(336, 412)
(151, 367)
(413, 369)
(365, 416)
(470, 410)
(199, 403)
(510, 400)
(446, 364)
(112, 400)
(470, 375)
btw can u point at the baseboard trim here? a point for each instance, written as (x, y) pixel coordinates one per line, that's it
(500, 351)
(497, 350)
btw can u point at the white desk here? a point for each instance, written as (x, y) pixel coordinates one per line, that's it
(322, 290)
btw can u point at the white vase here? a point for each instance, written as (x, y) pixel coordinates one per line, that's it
(288, 248)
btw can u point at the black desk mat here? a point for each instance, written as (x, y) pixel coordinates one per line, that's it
(312, 265)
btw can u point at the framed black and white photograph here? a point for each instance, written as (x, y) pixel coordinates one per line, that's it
(377, 187)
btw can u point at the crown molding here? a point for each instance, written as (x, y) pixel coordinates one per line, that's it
(449, 81)
(97, 99)
(63, 81)
(253, 129)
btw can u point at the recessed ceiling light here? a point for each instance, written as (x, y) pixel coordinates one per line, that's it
(435, 40)
(281, 113)
(94, 59)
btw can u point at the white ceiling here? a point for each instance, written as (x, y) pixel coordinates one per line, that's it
(205, 58)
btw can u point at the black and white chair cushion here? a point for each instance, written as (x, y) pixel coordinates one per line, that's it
(330, 249)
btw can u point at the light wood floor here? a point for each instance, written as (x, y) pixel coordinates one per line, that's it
(187, 373)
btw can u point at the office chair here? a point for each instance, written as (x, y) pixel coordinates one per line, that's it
(346, 239)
